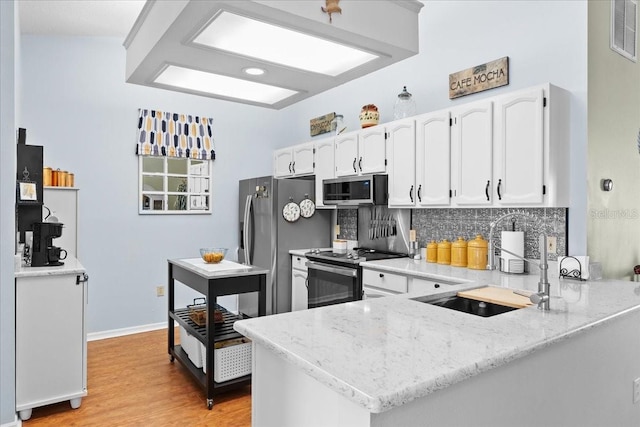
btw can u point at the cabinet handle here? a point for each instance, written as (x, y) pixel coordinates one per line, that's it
(354, 164)
(360, 164)
(499, 184)
(381, 275)
(306, 283)
(437, 285)
(419, 195)
(290, 167)
(486, 191)
(411, 193)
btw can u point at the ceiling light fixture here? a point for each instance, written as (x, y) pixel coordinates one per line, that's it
(224, 86)
(238, 34)
(212, 46)
(254, 71)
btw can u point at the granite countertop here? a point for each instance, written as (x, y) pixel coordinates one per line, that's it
(302, 252)
(384, 352)
(71, 266)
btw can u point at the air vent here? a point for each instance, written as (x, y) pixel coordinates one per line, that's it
(624, 25)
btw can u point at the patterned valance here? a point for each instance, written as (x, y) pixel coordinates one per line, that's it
(174, 135)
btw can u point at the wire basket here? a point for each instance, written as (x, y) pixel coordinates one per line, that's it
(198, 312)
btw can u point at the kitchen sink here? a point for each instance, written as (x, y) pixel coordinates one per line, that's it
(467, 305)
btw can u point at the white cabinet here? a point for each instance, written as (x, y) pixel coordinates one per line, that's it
(293, 161)
(433, 159)
(531, 148)
(51, 345)
(402, 163)
(299, 291)
(63, 204)
(419, 161)
(324, 167)
(361, 152)
(472, 154)
(395, 283)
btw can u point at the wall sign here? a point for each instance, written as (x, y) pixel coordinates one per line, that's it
(321, 124)
(479, 78)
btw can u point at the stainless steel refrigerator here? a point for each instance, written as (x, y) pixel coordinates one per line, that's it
(266, 237)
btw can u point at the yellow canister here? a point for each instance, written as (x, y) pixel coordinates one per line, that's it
(70, 180)
(444, 252)
(459, 253)
(46, 176)
(55, 175)
(477, 253)
(432, 251)
(62, 178)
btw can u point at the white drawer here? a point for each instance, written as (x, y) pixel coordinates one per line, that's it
(299, 262)
(426, 285)
(383, 280)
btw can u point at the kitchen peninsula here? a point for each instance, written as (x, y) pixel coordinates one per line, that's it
(397, 361)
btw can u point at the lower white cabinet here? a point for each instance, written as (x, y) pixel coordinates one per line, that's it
(299, 291)
(51, 345)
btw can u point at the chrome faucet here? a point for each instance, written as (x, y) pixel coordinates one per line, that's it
(542, 296)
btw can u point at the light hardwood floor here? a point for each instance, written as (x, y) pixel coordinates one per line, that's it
(131, 382)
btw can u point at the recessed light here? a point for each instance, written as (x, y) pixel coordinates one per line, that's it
(273, 43)
(217, 84)
(254, 71)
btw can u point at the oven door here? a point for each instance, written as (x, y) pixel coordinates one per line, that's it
(332, 284)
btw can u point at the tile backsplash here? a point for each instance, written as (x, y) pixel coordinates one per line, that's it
(438, 224)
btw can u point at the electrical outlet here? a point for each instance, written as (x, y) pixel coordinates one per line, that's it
(336, 229)
(551, 245)
(160, 291)
(636, 390)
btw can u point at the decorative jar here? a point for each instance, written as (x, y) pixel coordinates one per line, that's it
(369, 116)
(405, 106)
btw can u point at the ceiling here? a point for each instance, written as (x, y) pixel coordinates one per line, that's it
(107, 18)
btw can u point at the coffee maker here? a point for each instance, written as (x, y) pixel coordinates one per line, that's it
(43, 252)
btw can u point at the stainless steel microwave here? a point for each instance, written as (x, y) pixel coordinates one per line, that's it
(356, 190)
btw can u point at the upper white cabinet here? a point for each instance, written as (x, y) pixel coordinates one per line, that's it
(531, 148)
(472, 154)
(433, 159)
(361, 152)
(294, 161)
(402, 163)
(324, 167)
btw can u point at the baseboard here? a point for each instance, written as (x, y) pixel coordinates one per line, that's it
(113, 333)
(17, 422)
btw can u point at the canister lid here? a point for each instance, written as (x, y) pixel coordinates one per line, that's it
(478, 242)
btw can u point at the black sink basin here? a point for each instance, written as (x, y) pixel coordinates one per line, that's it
(466, 305)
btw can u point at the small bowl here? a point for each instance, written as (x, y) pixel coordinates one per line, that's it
(213, 255)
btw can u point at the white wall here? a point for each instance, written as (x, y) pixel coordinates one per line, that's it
(546, 41)
(87, 124)
(76, 104)
(8, 80)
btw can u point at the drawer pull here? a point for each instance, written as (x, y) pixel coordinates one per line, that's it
(437, 285)
(381, 275)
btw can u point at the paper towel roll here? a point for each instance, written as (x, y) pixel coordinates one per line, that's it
(513, 241)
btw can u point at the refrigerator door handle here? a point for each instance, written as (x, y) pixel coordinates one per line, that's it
(245, 230)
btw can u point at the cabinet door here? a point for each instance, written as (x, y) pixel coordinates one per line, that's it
(433, 159)
(346, 154)
(473, 155)
(283, 163)
(324, 169)
(372, 150)
(519, 148)
(299, 292)
(402, 165)
(50, 340)
(303, 159)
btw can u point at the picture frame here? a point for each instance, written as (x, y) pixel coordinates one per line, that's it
(27, 192)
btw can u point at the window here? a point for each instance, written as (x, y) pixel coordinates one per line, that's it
(624, 24)
(174, 185)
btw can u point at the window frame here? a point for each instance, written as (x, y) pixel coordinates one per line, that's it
(165, 195)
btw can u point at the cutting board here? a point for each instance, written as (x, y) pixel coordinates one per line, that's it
(504, 296)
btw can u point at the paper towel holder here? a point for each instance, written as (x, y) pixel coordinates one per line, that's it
(575, 274)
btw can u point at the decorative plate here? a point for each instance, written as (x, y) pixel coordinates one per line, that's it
(307, 208)
(291, 211)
